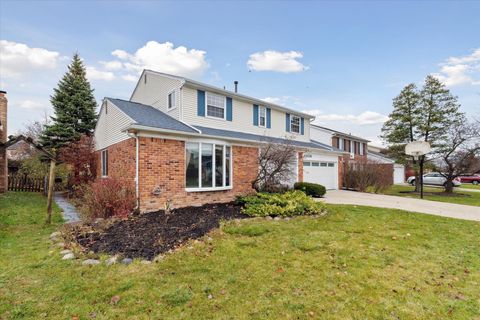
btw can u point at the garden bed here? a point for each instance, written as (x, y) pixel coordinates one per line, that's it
(150, 234)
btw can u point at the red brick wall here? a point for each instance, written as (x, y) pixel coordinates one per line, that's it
(162, 166)
(3, 139)
(300, 167)
(121, 162)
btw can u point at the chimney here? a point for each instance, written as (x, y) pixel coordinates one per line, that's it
(3, 139)
(236, 85)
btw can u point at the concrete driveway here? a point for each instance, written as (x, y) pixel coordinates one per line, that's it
(451, 210)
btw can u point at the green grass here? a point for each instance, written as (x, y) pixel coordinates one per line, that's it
(470, 186)
(353, 263)
(473, 198)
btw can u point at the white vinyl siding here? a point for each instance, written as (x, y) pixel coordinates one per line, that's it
(109, 126)
(155, 91)
(242, 113)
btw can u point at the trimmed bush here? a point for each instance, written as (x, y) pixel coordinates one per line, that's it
(290, 203)
(311, 189)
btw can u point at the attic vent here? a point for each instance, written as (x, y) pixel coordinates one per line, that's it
(145, 79)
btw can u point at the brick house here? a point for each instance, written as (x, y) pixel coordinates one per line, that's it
(190, 143)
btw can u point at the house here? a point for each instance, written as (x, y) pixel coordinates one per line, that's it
(327, 169)
(190, 143)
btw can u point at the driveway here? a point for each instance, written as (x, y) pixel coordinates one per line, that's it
(443, 209)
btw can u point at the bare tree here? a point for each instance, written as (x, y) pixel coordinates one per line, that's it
(34, 129)
(459, 154)
(276, 167)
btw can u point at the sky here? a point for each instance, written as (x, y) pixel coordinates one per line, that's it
(341, 61)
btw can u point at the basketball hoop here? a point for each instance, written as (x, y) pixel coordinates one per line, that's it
(417, 149)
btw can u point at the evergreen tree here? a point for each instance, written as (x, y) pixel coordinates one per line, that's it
(74, 107)
(424, 115)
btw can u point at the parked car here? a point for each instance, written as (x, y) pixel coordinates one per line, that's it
(473, 179)
(434, 179)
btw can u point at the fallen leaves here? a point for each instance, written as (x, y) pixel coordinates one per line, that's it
(114, 300)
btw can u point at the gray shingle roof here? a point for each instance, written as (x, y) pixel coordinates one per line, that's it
(146, 115)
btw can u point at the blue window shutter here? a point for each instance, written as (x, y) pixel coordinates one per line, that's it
(302, 124)
(287, 123)
(269, 119)
(255, 115)
(201, 103)
(229, 109)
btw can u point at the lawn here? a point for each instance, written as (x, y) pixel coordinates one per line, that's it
(353, 263)
(472, 198)
(470, 186)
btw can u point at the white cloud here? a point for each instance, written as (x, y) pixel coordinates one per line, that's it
(364, 118)
(270, 60)
(163, 57)
(129, 77)
(18, 59)
(29, 104)
(460, 70)
(112, 65)
(95, 74)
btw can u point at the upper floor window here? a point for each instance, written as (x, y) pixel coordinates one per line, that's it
(215, 105)
(295, 124)
(171, 100)
(262, 116)
(104, 156)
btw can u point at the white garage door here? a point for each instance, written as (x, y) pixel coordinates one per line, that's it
(321, 172)
(398, 174)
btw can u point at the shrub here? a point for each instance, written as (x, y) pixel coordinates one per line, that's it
(311, 189)
(106, 198)
(362, 174)
(290, 203)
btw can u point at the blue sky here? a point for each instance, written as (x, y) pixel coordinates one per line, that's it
(342, 61)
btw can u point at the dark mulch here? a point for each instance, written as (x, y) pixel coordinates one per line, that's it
(440, 194)
(147, 235)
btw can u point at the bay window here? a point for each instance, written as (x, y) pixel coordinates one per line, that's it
(208, 166)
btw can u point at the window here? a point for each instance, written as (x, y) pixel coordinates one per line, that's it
(315, 164)
(171, 100)
(306, 164)
(215, 106)
(104, 163)
(262, 117)
(323, 164)
(361, 148)
(295, 124)
(208, 166)
(331, 164)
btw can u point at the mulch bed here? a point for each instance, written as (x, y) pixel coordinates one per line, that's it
(150, 234)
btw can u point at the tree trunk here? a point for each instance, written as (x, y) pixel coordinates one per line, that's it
(51, 182)
(449, 186)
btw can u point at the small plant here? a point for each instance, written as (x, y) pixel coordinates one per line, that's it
(290, 203)
(311, 189)
(106, 198)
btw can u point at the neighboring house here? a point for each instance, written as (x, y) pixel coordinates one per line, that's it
(326, 167)
(190, 143)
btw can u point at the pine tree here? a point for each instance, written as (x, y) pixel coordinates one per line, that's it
(74, 108)
(423, 115)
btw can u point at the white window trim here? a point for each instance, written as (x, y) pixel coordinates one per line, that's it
(174, 100)
(259, 116)
(224, 107)
(214, 188)
(299, 124)
(104, 151)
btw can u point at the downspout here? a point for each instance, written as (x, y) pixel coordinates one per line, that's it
(137, 197)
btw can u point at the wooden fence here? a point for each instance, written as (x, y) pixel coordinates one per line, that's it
(20, 182)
